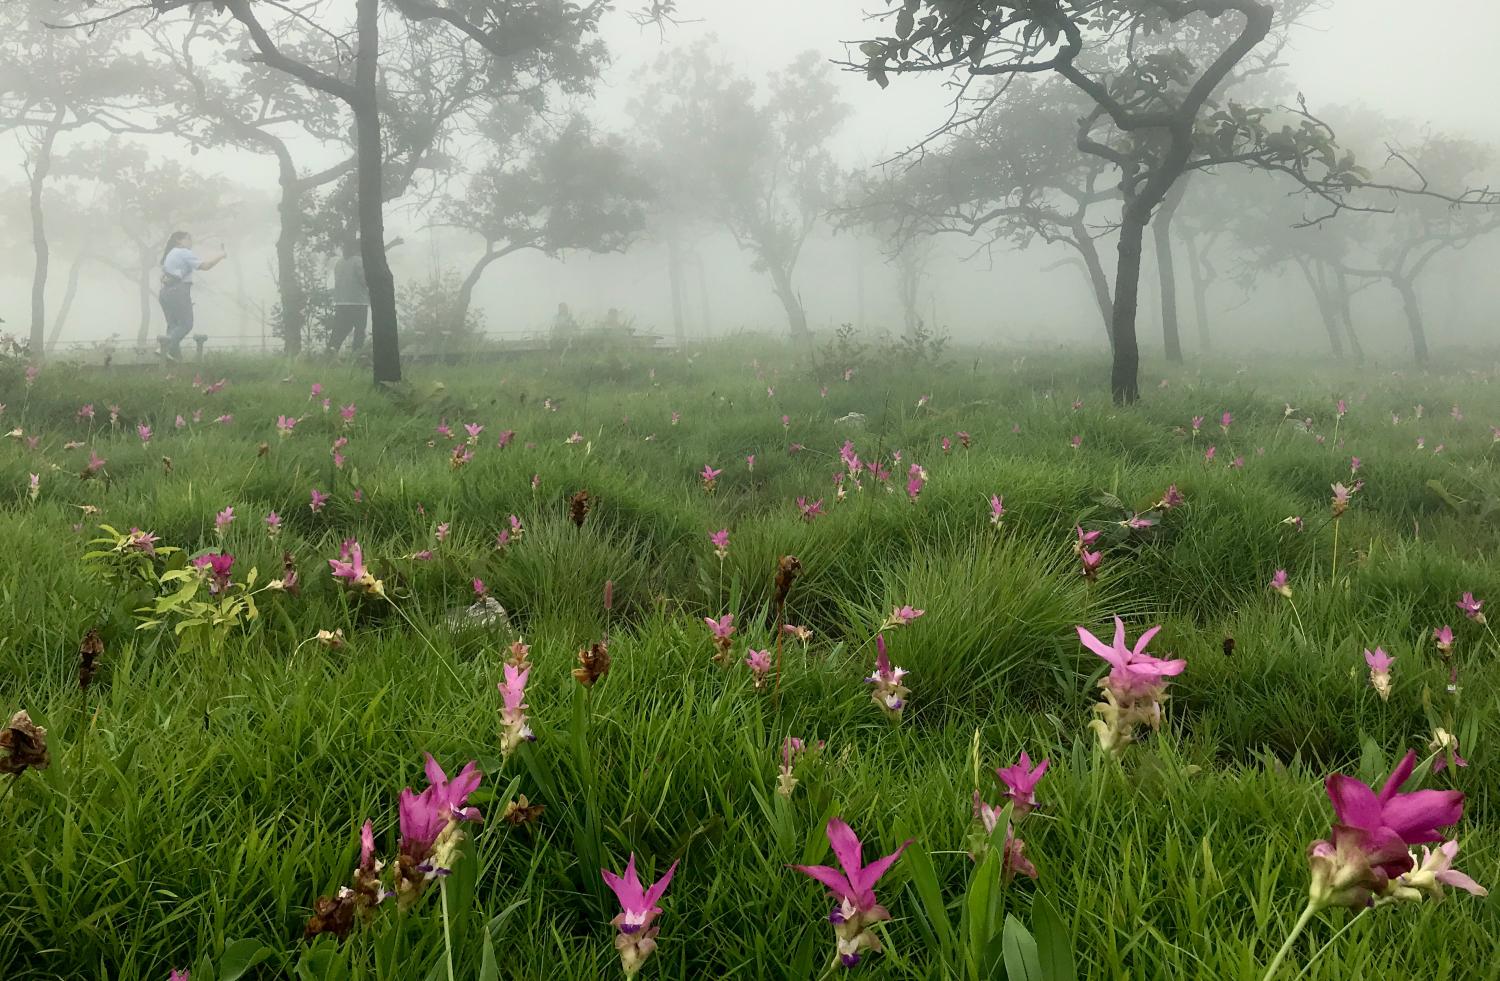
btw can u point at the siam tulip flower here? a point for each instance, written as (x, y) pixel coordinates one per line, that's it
(536, 481)
(1197, 424)
(1421, 442)
(1341, 495)
(923, 400)
(473, 429)
(1368, 847)
(1444, 637)
(915, 481)
(1279, 584)
(430, 832)
(801, 633)
(1133, 690)
(1470, 606)
(1354, 464)
(140, 541)
(505, 439)
(1139, 522)
(791, 749)
(901, 616)
(318, 499)
(316, 392)
(997, 509)
(462, 455)
(285, 425)
(95, 464)
(513, 727)
(1444, 746)
(1435, 450)
(114, 415)
(215, 568)
(1435, 871)
(1343, 408)
(332, 639)
(1076, 442)
(86, 412)
(177, 975)
(179, 422)
(1224, 422)
(1210, 453)
(723, 631)
(676, 417)
(770, 392)
(964, 439)
(73, 444)
(32, 371)
(1380, 663)
(1457, 413)
(33, 485)
(351, 569)
(223, 520)
(1013, 860)
(710, 477)
(346, 412)
(1238, 463)
(144, 432)
(443, 529)
(853, 885)
(1020, 783)
(786, 423)
(720, 540)
(1171, 499)
(1089, 563)
(759, 663)
(887, 691)
(225, 419)
(444, 430)
(947, 444)
(810, 511)
(480, 589)
(637, 937)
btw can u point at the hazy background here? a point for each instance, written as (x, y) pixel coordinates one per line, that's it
(1383, 53)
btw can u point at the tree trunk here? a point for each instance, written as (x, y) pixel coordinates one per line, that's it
(674, 277)
(1347, 315)
(795, 314)
(1161, 229)
(288, 282)
(466, 288)
(1200, 291)
(1124, 380)
(1098, 280)
(41, 167)
(1413, 308)
(385, 345)
(1319, 286)
(75, 271)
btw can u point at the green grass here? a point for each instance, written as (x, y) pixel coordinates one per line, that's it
(202, 795)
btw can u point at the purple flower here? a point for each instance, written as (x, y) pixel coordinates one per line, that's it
(429, 824)
(216, 567)
(1471, 607)
(1020, 783)
(350, 567)
(853, 885)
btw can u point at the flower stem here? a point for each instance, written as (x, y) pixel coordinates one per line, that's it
(1335, 576)
(447, 935)
(1324, 949)
(1291, 938)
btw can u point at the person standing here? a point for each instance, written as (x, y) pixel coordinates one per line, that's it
(351, 300)
(178, 263)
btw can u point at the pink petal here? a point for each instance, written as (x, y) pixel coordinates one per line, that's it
(655, 892)
(1457, 879)
(846, 847)
(1416, 816)
(1399, 776)
(1353, 802)
(832, 878)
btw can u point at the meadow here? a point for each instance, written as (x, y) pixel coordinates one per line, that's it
(237, 724)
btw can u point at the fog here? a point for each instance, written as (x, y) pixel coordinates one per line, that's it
(1355, 60)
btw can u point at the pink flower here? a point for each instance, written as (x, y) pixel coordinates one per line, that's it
(316, 392)
(430, 825)
(888, 690)
(442, 531)
(86, 412)
(1133, 671)
(1444, 637)
(1471, 607)
(902, 616)
(273, 523)
(95, 464)
(1343, 408)
(722, 628)
(1077, 441)
(1354, 464)
(479, 588)
(1380, 663)
(1225, 420)
(180, 422)
(720, 540)
(637, 937)
(1341, 495)
(177, 975)
(223, 520)
(1020, 783)
(786, 423)
(505, 437)
(350, 567)
(810, 511)
(1197, 424)
(216, 568)
(750, 463)
(514, 727)
(1013, 861)
(1171, 499)
(444, 430)
(997, 509)
(144, 432)
(1279, 584)
(346, 412)
(759, 663)
(1368, 846)
(947, 444)
(1210, 453)
(318, 500)
(285, 425)
(473, 429)
(710, 476)
(853, 885)
(1444, 746)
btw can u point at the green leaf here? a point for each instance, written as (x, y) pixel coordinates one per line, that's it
(240, 956)
(924, 877)
(1053, 941)
(1021, 962)
(489, 968)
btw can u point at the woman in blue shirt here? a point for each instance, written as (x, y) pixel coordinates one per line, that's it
(178, 263)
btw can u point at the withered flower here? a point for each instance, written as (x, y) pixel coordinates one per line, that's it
(166, 465)
(23, 745)
(593, 664)
(1228, 646)
(788, 568)
(521, 811)
(263, 449)
(90, 649)
(578, 507)
(333, 915)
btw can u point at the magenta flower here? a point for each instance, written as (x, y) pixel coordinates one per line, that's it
(1225, 420)
(902, 616)
(273, 524)
(1086, 539)
(1444, 746)
(946, 444)
(1020, 783)
(1171, 499)
(144, 432)
(1444, 637)
(723, 628)
(720, 540)
(215, 566)
(1379, 663)
(637, 937)
(750, 463)
(86, 412)
(142, 541)
(810, 511)
(1368, 846)
(316, 392)
(95, 464)
(473, 429)
(1210, 453)
(346, 412)
(997, 509)
(505, 437)
(888, 690)
(350, 567)
(853, 885)
(444, 430)
(759, 663)
(223, 520)
(1279, 584)
(430, 832)
(1090, 563)
(1471, 607)
(1134, 688)
(1013, 860)
(177, 975)
(710, 476)
(318, 500)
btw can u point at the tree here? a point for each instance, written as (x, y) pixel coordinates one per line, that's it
(573, 190)
(1153, 114)
(759, 166)
(1424, 228)
(52, 83)
(533, 39)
